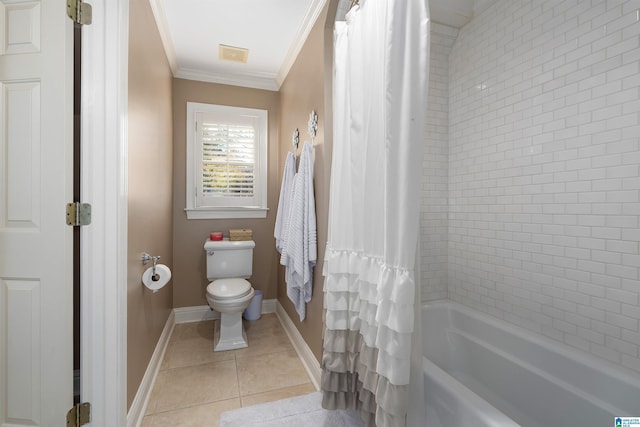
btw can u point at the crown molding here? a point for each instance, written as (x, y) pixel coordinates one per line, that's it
(165, 34)
(256, 81)
(310, 18)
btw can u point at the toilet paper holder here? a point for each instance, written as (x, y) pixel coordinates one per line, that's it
(145, 260)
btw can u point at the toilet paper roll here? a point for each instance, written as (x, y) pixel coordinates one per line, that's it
(161, 278)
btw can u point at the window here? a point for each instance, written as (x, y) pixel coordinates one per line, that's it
(226, 162)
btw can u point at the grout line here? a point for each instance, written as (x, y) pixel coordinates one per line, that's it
(235, 362)
(192, 406)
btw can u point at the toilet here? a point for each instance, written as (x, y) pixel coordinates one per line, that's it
(229, 264)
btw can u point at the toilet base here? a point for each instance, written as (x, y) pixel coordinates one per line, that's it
(229, 333)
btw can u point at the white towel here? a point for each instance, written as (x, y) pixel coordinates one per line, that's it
(300, 254)
(284, 203)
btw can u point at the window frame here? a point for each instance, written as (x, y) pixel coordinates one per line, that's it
(194, 149)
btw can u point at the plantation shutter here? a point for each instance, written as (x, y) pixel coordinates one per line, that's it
(227, 159)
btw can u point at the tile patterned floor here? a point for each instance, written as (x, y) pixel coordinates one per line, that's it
(195, 384)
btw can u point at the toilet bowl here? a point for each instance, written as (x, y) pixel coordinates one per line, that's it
(229, 264)
(229, 297)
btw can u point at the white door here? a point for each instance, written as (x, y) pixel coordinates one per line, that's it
(36, 149)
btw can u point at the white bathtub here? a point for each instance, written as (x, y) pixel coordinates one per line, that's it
(482, 372)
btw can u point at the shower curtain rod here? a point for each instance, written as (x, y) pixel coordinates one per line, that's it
(353, 3)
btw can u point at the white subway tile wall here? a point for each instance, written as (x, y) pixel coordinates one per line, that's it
(543, 164)
(433, 217)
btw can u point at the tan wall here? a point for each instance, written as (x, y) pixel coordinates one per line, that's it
(304, 91)
(189, 273)
(150, 188)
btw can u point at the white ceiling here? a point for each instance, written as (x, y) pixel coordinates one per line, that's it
(273, 31)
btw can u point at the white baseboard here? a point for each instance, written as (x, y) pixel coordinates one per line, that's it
(199, 313)
(269, 306)
(196, 313)
(309, 361)
(141, 400)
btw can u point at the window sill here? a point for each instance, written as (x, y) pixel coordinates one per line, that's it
(226, 213)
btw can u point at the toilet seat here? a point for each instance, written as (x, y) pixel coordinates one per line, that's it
(226, 289)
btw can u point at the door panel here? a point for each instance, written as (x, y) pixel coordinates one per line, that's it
(36, 167)
(23, 350)
(22, 101)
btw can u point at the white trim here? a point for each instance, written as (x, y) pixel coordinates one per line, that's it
(196, 313)
(226, 207)
(199, 313)
(269, 306)
(256, 81)
(141, 399)
(310, 18)
(103, 259)
(165, 33)
(309, 361)
(225, 213)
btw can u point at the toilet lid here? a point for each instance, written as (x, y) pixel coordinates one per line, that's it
(229, 288)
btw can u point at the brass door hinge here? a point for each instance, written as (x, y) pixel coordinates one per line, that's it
(79, 12)
(79, 415)
(78, 214)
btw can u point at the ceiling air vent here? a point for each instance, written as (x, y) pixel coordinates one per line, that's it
(232, 53)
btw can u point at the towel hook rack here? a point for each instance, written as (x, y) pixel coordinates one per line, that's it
(295, 140)
(312, 126)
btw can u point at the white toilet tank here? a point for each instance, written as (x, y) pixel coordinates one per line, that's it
(229, 258)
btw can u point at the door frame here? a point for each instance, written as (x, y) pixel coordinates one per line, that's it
(103, 257)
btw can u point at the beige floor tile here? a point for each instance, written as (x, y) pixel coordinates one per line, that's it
(282, 393)
(153, 399)
(147, 421)
(265, 335)
(188, 338)
(167, 355)
(260, 345)
(194, 385)
(165, 361)
(267, 325)
(266, 321)
(207, 415)
(194, 346)
(270, 372)
(184, 357)
(185, 331)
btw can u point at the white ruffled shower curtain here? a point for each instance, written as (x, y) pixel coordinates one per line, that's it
(380, 77)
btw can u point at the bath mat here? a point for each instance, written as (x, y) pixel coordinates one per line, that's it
(294, 412)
